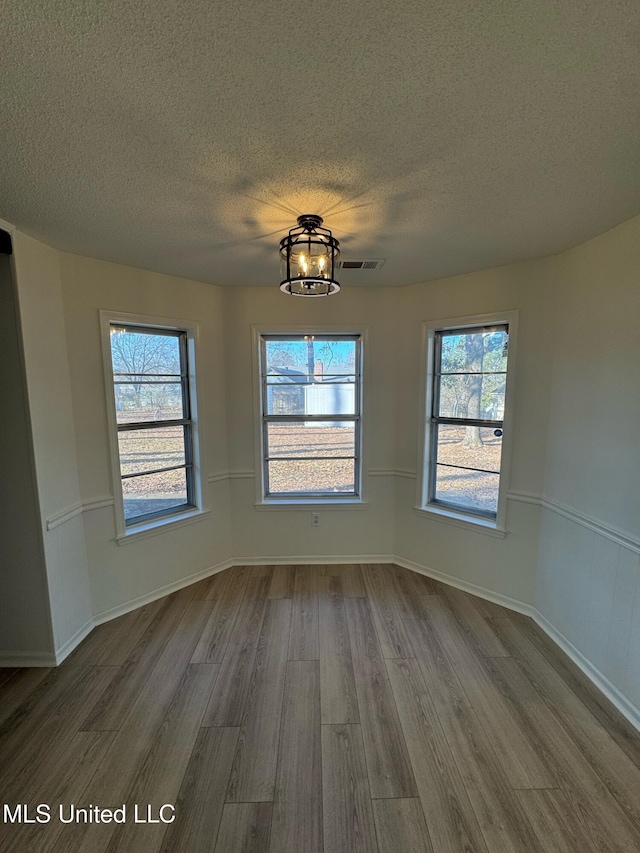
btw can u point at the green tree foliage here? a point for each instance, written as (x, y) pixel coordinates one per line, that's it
(465, 393)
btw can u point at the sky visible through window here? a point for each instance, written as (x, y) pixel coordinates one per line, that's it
(311, 412)
(470, 384)
(153, 451)
(335, 355)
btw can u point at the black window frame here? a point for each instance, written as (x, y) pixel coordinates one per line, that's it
(186, 421)
(355, 418)
(435, 420)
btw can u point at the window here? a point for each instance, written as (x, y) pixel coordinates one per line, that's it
(150, 374)
(466, 401)
(311, 416)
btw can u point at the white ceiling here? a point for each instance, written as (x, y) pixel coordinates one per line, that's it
(443, 135)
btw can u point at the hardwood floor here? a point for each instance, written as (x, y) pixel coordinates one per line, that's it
(330, 709)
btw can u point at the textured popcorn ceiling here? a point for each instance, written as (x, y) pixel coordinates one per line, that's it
(443, 135)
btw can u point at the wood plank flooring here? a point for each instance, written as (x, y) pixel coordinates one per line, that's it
(319, 709)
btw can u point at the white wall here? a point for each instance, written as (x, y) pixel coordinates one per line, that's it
(53, 435)
(573, 545)
(589, 572)
(506, 566)
(593, 454)
(122, 574)
(259, 533)
(573, 514)
(25, 621)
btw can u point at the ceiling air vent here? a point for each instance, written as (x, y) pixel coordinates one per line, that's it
(368, 264)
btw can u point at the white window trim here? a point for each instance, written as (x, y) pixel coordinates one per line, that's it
(310, 501)
(447, 514)
(126, 533)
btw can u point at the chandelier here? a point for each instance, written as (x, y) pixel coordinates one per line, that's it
(308, 256)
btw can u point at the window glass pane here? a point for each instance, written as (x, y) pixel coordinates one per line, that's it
(328, 476)
(285, 399)
(321, 398)
(146, 379)
(469, 447)
(144, 353)
(472, 396)
(293, 377)
(148, 449)
(311, 355)
(475, 490)
(470, 383)
(153, 493)
(305, 376)
(474, 352)
(157, 401)
(311, 439)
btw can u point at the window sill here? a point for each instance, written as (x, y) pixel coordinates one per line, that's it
(312, 505)
(468, 522)
(161, 525)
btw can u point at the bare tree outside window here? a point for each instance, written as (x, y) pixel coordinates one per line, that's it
(311, 415)
(466, 420)
(153, 414)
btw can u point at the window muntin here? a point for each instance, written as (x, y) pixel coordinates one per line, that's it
(466, 418)
(311, 415)
(151, 388)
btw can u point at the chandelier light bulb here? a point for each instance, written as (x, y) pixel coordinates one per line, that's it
(308, 255)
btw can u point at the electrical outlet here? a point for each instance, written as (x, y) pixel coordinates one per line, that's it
(315, 519)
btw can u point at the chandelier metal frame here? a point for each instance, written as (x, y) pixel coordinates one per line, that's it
(309, 233)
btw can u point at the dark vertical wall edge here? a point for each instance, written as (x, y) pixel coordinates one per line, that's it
(6, 247)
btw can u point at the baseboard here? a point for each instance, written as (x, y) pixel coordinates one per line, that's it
(626, 708)
(306, 560)
(467, 586)
(65, 650)
(147, 598)
(32, 659)
(618, 699)
(609, 690)
(27, 659)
